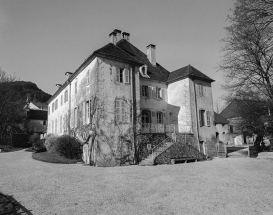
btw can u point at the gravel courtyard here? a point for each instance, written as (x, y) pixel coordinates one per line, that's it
(221, 186)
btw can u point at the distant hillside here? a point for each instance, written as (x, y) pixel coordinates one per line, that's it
(27, 89)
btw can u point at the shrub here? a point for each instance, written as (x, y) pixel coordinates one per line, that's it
(69, 147)
(38, 145)
(51, 142)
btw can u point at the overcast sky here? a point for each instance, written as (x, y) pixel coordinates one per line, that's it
(40, 40)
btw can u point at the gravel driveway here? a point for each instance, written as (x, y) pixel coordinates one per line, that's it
(221, 186)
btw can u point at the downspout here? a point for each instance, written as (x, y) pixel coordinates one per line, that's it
(69, 109)
(133, 91)
(197, 121)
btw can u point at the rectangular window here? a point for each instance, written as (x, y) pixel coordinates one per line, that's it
(61, 124)
(75, 117)
(87, 76)
(61, 99)
(66, 96)
(76, 85)
(122, 75)
(159, 93)
(48, 110)
(200, 90)
(87, 110)
(44, 122)
(120, 111)
(126, 76)
(159, 117)
(202, 118)
(56, 126)
(56, 104)
(145, 91)
(52, 107)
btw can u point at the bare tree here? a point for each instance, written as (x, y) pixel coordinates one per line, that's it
(248, 50)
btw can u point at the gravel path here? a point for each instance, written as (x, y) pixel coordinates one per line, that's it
(221, 186)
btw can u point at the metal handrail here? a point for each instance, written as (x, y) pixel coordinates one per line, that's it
(172, 139)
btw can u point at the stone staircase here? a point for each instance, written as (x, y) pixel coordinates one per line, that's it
(156, 151)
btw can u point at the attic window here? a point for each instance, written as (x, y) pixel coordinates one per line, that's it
(143, 71)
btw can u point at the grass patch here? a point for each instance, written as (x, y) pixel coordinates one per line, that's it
(53, 157)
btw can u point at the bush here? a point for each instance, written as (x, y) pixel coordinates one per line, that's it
(39, 146)
(69, 147)
(51, 142)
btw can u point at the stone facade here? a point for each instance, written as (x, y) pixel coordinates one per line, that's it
(131, 96)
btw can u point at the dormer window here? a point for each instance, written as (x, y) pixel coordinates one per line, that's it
(143, 71)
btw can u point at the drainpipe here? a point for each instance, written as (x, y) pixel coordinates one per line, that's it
(69, 108)
(197, 123)
(134, 107)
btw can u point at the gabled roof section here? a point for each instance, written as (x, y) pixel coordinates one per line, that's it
(232, 110)
(109, 51)
(218, 119)
(188, 71)
(37, 114)
(114, 52)
(157, 72)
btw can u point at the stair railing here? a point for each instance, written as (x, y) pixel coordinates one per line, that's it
(171, 138)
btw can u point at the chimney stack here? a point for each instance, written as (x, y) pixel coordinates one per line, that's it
(118, 32)
(113, 37)
(126, 36)
(151, 54)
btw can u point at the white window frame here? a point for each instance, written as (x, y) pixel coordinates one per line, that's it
(159, 117)
(126, 76)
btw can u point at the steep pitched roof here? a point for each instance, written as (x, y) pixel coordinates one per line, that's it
(187, 71)
(157, 72)
(218, 119)
(112, 51)
(232, 110)
(37, 114)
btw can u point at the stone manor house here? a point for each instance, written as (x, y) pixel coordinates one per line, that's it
(119, 92)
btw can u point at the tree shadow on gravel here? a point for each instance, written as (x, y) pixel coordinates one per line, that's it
(9, 205)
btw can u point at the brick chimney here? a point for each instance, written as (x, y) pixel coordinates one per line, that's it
(151, 54)
(126, 36)
(113, 37)
(118, 32)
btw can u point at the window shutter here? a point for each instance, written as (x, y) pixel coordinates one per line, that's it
(160, 93)
(117, 75)
(208, 118)
(122, 111)
(126, 76)
(117, 110)
(141, 90)
(83, 113)
(154, 92)
(200, 118)
(163, 94)
(150, 90)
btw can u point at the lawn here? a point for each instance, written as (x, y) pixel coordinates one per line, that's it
(221, 186)
(53, 157)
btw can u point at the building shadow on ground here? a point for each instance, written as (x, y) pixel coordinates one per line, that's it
(9, 205)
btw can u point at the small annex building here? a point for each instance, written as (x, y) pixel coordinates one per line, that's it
(119, 94)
